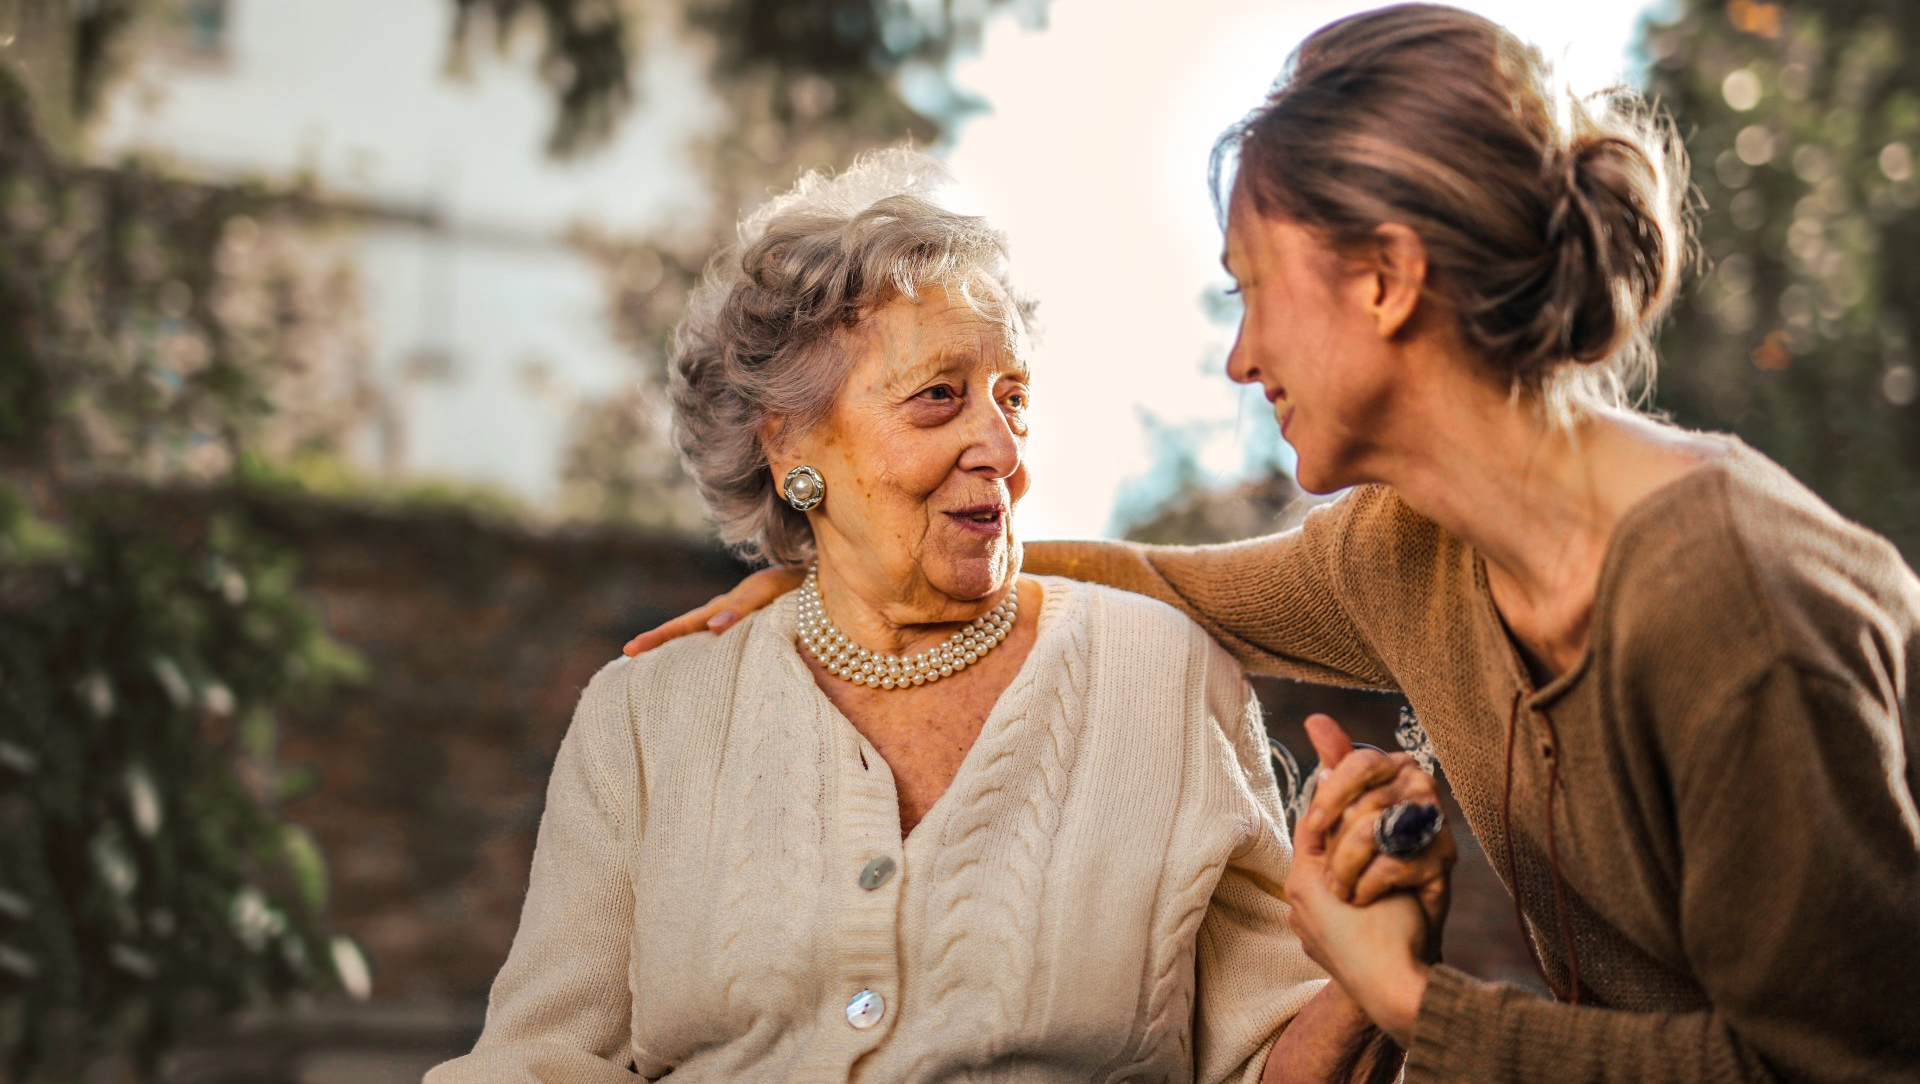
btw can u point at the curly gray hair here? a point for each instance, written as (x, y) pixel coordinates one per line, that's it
(763, 336)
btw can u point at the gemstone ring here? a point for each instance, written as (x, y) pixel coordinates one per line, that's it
(1407, 828)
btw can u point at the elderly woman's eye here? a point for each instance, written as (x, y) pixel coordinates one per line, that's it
(939, 393)
(1016, 400)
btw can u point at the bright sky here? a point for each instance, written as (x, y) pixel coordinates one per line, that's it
(1094, 161)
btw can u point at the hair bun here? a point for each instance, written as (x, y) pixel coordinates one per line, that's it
(1613, 264)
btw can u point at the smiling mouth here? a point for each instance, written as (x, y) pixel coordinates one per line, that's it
(986, 520)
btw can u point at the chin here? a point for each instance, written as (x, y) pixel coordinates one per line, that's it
(1314, 475)
(1310, 483)
(976, 575)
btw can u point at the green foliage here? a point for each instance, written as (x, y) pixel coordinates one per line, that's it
(99, 31)
(619, 464)
(324, 474)
(1804, 127)
(149, 886)
(825, 62)
(585, 61)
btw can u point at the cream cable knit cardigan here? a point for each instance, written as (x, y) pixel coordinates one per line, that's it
(1096, 897)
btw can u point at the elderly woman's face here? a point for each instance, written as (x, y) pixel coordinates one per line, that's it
(924, 454)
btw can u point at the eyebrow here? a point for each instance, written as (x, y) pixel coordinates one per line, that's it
(954, 355)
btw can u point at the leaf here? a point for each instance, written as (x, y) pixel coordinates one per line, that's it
(308, 866)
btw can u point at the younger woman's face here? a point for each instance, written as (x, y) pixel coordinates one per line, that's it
(1308, 338)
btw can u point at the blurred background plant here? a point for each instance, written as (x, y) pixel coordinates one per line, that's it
(1804, 125)
(152, 332)
(151, 888)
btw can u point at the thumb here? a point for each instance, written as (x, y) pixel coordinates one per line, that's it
(1329, 741)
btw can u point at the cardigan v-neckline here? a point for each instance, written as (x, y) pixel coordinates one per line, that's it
(1054, 596)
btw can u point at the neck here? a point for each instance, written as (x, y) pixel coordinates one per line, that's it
(1538, 501)
(1528, 495)
(893, 618)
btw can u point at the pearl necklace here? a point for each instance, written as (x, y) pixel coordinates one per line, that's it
(844, 658)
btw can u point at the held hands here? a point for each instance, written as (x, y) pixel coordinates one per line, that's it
(720, 614)
(1374, 941)
(1356, 786)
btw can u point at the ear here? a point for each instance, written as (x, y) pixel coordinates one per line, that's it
(771, 431)
(1398, 279)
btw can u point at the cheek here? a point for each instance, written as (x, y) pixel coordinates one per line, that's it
(889, 482)
(913, 464)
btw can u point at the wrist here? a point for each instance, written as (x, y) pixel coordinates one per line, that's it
(1396, 1002)
(1341, 1005)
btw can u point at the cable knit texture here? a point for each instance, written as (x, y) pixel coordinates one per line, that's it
(1735, 815)
(1096, 896)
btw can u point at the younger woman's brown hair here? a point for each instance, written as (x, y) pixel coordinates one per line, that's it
(1555, 227)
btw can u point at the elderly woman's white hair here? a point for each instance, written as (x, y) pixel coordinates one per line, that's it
(763, 335)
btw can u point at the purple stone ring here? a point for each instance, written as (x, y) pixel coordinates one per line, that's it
(1407, 828)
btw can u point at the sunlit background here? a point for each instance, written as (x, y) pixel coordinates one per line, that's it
(1085, 136)
(332, 449)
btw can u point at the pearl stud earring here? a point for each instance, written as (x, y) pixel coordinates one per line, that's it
(804, 488)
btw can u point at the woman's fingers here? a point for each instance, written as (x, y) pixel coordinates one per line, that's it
(1343, 784)
(1332, 745)
(1375, 777)
(723, 611)
(1349, 844)
(1350, 848)
(1330, 741)
(687, 623)
(1353, 853)
(1382, 874)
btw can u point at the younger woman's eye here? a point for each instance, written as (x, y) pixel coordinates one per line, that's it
(1234, 291)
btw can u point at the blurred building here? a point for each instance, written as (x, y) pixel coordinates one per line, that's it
(485, 328)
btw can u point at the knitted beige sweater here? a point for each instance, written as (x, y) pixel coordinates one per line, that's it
(1734, 810)
(1096, 896)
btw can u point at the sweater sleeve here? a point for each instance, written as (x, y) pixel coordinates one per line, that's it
(1273, 602)
(560, 1008)
(1797, 898)
(1252, 974)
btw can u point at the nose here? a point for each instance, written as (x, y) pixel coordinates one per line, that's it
(995, 443)
(1240, 366)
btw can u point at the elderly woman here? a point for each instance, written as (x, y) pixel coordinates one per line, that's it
(924, 818)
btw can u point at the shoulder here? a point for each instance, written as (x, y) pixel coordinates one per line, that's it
(673, 684)
(754, 641)
(1121, 619)
(1741, 568)
(1828, 587)
(605, 705)
(1131, 641)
